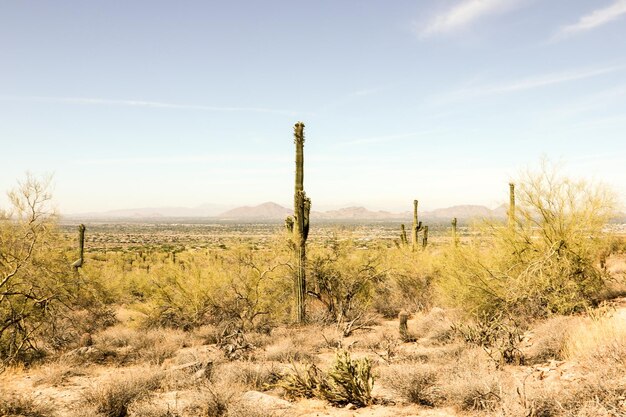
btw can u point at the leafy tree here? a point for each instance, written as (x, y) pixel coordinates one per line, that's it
(542, 263)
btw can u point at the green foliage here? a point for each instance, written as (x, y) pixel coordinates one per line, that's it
(543, 263)
(349, 381)
(344, 279)
(37, 284)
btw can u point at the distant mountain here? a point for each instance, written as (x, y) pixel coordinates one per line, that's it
(204, 210)
(462, 212)
(273, 211)
(356, 213)
(265, 211)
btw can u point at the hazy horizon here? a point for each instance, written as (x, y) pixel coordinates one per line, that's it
(153, 104)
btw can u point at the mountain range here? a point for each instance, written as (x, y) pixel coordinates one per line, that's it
(273, 211)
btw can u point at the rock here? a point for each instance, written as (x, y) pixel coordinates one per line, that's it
(259, 399)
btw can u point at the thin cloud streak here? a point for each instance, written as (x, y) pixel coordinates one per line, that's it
(148, 104)
(597, 18)
(526, 84)
(464, 14)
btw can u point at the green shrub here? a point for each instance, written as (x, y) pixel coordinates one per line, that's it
(542, 264)
(347, 382)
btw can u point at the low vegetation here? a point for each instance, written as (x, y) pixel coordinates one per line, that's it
(514, 318)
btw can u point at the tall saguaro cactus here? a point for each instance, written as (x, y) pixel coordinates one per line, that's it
(511, 205)
(301, 211)
(81, 247)
(417, 226)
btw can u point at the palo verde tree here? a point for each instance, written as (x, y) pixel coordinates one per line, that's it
(547, 262)
(35, 276)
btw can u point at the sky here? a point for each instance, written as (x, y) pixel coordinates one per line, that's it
(160, 103)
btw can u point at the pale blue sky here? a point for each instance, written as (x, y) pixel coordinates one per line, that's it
(163, 103)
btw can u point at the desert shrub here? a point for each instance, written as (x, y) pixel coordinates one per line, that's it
(129, 345)
(23, 405)
(113, 398)
(548, 339)
(542, 264)
(416, 384)
(348, 381)
(241, 287)
(409, 282)
(598, 342)
(288, 350)
(435, 326)
(38, 288)
(500, 337)
(343, 279)
(254, 376)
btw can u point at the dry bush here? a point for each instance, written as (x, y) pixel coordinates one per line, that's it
(435, 326)
(288, 350)
(416, 384)
(112, 398)
(136, 345)
(58, 373)
(23, 405)
(472, 381)
(409, 282)
(548, 339)
(206, 334)
(254, 376)
(598, 342)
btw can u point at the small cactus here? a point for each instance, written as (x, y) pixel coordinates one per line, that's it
(511, 205)
(403, 239)
(403, 318)
(455, 239)
(425, 238)
(81, 247)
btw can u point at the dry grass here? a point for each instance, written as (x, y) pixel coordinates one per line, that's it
(141, 346)
(113, 398)
(417, 384)
(548, 339)
(22, 405)
(58, 373)
(249, 375)
(600, 341)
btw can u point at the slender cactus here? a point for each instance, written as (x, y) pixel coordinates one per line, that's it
(425, 238)
(511, 205)
(301, 211)
(289, 224)
(455, 240)
(403, 329)
(81, 247)
(417, 226)
(403, 239)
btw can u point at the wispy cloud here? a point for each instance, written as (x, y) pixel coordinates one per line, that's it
(464, 14)
(144, 103)
(593, 20)
(526, 83)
